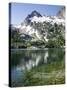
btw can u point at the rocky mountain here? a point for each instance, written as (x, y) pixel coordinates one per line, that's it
(30, 16)
(42, 31)
(61, 13)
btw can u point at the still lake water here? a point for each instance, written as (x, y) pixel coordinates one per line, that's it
(26, 60)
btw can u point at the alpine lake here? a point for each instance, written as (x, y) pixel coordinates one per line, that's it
(37, 67)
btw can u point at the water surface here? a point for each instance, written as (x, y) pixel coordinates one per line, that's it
(40, 64)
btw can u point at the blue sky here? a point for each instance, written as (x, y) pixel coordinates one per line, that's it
(19, 11)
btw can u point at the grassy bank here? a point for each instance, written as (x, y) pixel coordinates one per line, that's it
(45, 75)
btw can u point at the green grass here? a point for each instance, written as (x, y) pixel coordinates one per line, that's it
(30, 80)
(55, 74)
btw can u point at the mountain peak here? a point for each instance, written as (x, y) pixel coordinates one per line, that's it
(61, 13)
(34, 13)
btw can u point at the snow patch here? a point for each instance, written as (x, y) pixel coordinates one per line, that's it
(52, 19)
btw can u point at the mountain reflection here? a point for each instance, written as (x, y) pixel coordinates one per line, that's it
(32, 60)
(25, 60)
